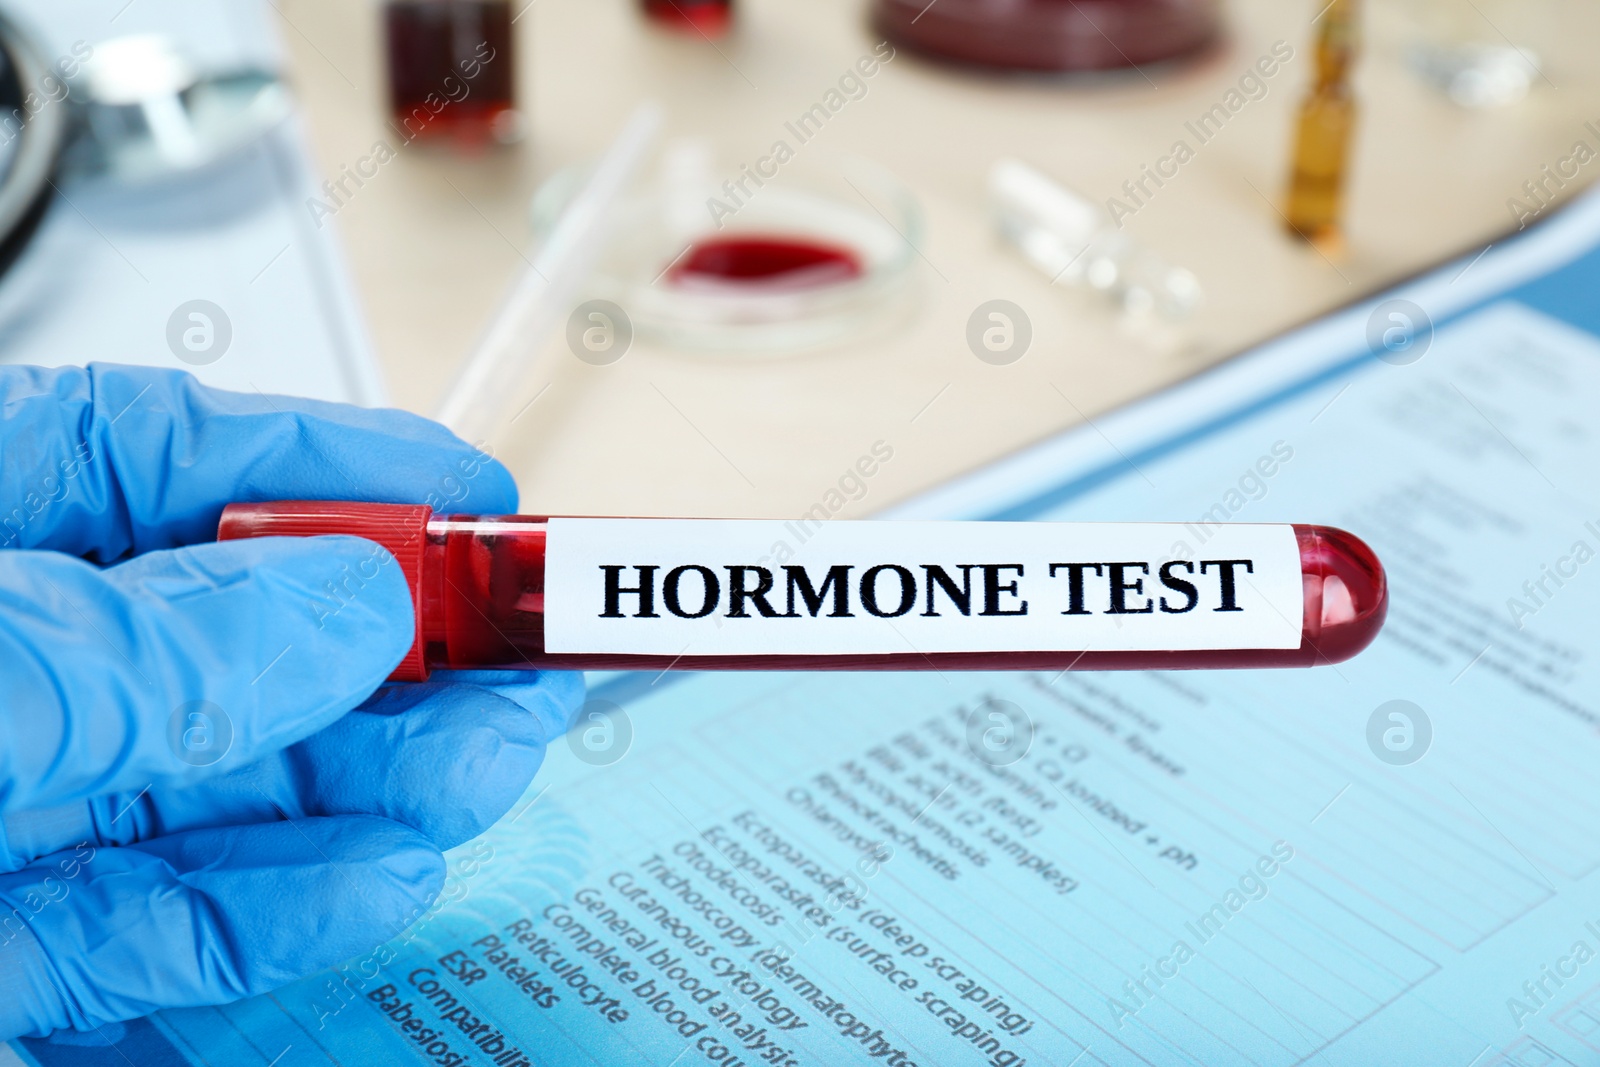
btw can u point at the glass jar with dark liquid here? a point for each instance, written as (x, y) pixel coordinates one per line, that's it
(452, 70)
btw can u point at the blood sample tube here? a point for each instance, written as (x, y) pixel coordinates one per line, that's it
(703, 18)
(519, 591)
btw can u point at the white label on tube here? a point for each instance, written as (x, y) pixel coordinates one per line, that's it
(737, 587)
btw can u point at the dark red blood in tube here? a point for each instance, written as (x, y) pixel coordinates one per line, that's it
(478, 586)
(708, 18)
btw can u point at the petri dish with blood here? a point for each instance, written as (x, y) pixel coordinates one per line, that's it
(1050, 36)
(767, 257)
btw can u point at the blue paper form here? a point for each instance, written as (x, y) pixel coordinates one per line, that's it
(1166, 868)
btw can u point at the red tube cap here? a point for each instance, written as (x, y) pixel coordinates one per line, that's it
(402, 529)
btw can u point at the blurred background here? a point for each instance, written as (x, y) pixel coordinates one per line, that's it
(884, 282)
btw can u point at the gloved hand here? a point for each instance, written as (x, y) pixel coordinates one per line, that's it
(135, 872)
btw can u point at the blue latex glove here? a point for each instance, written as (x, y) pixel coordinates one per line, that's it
(131, 879)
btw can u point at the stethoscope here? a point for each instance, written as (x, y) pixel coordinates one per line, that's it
(132, 109)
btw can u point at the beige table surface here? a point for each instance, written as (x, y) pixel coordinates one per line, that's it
(434, 239)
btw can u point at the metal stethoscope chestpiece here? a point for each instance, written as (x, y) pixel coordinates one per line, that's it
(132, 109)
(148, 111)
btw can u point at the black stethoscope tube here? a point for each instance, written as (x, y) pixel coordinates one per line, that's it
(28, 185)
